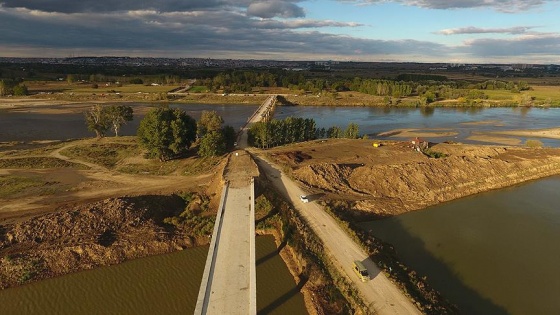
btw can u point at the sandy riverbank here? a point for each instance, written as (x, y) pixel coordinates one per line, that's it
(551, 133)
(394, 179)
(422, 133)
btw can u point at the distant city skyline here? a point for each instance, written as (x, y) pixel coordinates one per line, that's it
(461, 31)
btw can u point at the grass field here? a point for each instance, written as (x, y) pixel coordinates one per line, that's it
(105, 153)
(39, 86)
(198, 89)
(500, 95)
(544, 92)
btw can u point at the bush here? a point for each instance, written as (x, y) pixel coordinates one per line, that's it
(434, 154)
(20, 90)
(534, 143)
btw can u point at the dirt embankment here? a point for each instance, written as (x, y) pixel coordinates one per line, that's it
(92, 235)
(80, 219)
(394, 179)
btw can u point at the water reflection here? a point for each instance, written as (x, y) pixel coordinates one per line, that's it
(466, 121)
(427, 111)
(163, 284)
(30, 126)
(493, 253)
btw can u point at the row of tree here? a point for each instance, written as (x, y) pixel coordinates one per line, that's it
(100, 119)
(165, 132)
(404, 85)
(291, 130)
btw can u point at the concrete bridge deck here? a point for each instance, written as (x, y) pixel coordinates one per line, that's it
(229, 280)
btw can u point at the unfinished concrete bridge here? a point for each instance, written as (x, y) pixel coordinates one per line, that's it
(229, 279)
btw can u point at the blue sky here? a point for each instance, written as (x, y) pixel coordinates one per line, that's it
(465, 31)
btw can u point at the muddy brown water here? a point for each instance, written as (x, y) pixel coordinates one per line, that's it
(493, 253)
(163, 284)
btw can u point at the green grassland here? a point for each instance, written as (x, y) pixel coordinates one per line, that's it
(198, 89)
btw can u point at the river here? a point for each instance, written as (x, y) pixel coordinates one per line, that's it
(31, 126)
(464, 121)
(162, 284)
(493, 253)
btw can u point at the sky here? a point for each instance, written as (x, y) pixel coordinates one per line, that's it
(451, 31)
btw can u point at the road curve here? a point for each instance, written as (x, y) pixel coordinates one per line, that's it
(381, 295)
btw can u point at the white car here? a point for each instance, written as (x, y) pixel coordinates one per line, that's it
(304, 199)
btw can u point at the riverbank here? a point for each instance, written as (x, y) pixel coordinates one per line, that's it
(394, 178)
(91, 235)
(77, 205)
(356, 182)
(287, 97)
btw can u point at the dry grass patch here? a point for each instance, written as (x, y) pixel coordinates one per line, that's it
(39, 162)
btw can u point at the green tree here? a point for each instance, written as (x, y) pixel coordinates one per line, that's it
(70, 78)
(118, 115)
(96, 120)
(20, 90)
(166, 132)
(212, 144)
(352, 131)
(3, 88)
(334, 132)
(230, 136)
(209, 121)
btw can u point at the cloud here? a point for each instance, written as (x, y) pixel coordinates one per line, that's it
(230, 29)
(477, 30)
(275, 8)
(74, 6)
(204, 33)
(262, 9)
(297, 24)
(526, 46)
(499, 5)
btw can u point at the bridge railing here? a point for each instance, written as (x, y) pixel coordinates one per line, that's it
(204, 291)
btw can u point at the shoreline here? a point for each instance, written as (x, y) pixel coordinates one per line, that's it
(353, 99)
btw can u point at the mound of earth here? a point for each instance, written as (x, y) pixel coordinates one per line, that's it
(394, 179)
(86, 236)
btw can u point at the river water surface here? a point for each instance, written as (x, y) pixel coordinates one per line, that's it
(30, 126)
(493, 253)
(464, 121)
(163, 284)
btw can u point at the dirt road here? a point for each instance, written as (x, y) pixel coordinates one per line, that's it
(93, 184)
(381, 295)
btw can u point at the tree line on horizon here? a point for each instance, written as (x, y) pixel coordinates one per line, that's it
(428, 87)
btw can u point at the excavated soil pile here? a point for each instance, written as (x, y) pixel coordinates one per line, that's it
(87, 236)
(394, 179)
